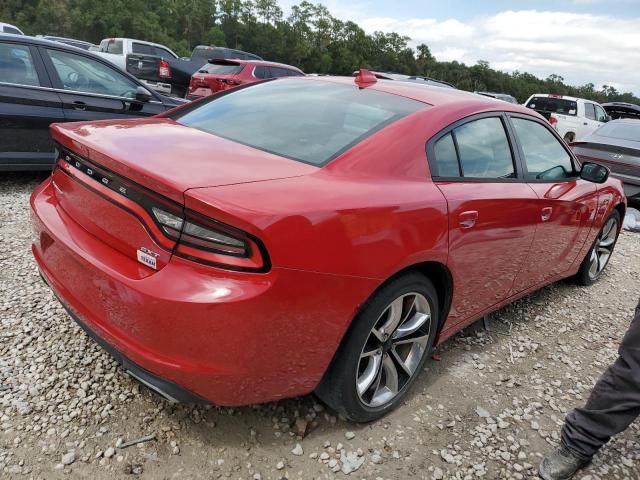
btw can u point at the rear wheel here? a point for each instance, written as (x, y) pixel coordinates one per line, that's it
(569, 137)
(598, 257)
(384, 350)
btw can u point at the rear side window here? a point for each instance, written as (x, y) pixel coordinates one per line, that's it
(142, 48)
(544, 155)
(222, 68)
(477, 149)
(16, 65)
(590, 111)
(553, 105)
(309, 121)
(262, 72)
(446, 158)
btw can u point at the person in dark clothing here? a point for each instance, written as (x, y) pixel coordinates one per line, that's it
(613, 405)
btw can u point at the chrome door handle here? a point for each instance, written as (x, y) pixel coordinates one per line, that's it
(468, 219)
(546, 213)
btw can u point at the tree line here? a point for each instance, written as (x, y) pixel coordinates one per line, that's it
(309, 37)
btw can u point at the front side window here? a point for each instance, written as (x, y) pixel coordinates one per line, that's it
(544, 155)
(590, 111)
(115, 47)
(484, 149)
(311, 121)
(16, 65)
(83, 74)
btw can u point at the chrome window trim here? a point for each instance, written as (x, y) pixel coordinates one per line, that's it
(62, 90)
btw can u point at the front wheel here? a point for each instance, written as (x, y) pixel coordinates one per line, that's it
(598, 257)
(383, 351)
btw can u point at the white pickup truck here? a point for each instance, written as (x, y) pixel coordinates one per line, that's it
(116, 50)
(572, 117)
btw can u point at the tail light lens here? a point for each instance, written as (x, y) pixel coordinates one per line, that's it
(207, 241)
(553, 121)
(164, 69)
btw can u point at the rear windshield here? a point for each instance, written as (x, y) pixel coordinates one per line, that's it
(205, 53)
(309, 121)
(221, 69)
(629, 130)
(553, 105)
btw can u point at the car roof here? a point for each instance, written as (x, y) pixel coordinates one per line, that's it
(429, 94)
(27, 40)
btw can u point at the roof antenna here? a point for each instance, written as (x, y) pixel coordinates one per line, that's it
(365, 78)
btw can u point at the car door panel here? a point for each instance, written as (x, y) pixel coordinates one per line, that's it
(491, 229)
(567, 211)
(565, 204)
(27, 107)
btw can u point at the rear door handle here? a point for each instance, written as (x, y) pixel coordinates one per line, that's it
(545, 214)
(78, 105)
(468, 219)
(585, 123)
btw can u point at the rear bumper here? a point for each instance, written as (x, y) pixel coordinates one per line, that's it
(192, 331)
(165, 388)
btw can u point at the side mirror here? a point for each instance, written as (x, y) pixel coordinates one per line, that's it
(143, 95)
(593, 172)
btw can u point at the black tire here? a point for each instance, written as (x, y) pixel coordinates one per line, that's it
(585, 276)
(338, 386)
(569, 137)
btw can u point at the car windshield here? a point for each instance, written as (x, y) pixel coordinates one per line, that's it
(627, 130)
(554, 105)
(309, 121)
(222, 68)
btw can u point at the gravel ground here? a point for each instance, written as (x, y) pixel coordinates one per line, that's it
(489, 404)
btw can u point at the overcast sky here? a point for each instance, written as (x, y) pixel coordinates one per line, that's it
(584, 41)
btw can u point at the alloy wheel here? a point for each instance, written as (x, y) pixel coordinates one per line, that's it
(394, 349)
(603, 248)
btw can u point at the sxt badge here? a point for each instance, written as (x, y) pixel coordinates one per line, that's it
(147, 257)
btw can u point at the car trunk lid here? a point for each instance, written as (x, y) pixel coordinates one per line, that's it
(169, 158)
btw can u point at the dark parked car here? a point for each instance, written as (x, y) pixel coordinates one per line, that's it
(69, 41)
(42, 82)
(616, 145)
(505, 97)
(622, 110)
(175, 73)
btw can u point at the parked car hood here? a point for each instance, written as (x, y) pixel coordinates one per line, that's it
(171, 158)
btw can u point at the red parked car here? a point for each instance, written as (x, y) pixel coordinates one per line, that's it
(312, 234)
(219, 75)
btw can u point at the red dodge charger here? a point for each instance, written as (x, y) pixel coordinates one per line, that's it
(312, 234)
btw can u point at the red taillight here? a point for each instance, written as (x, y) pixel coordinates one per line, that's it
(553, 121)
(164, 69)
(206, 241)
